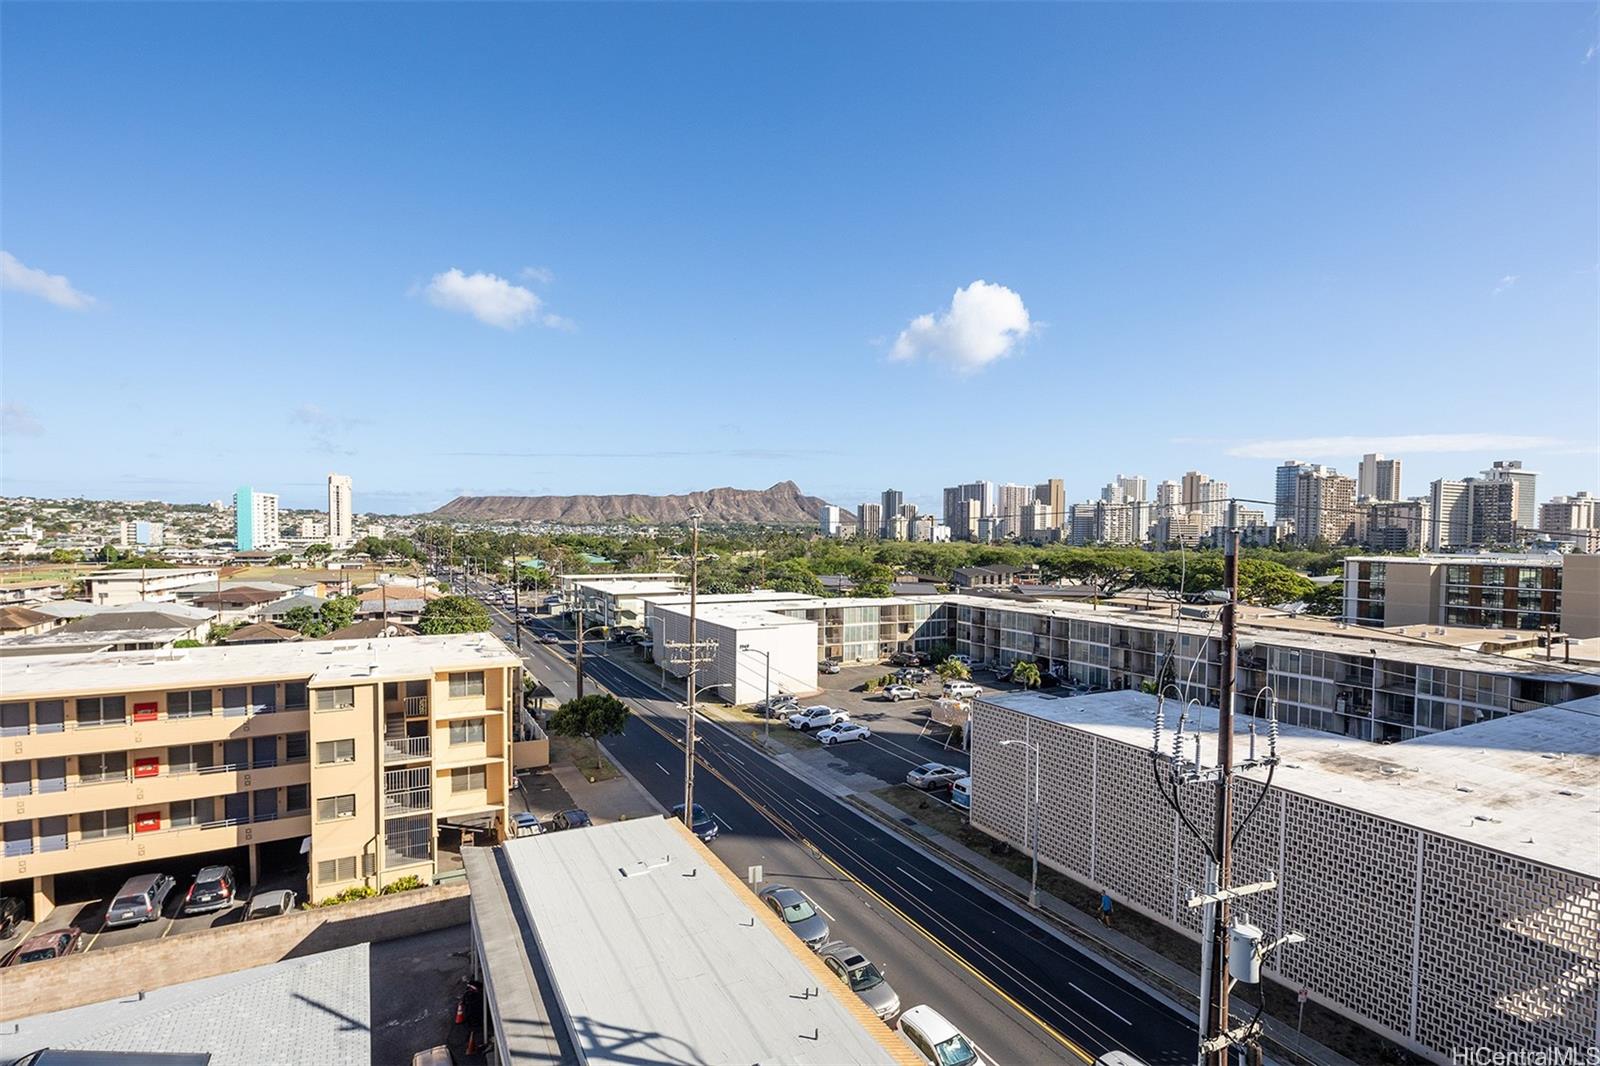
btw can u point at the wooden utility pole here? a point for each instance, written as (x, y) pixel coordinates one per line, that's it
(694, 665)
(1217, 1017)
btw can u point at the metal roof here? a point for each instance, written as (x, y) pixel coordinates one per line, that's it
(311, 1011)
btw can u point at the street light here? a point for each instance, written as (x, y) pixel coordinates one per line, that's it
(577, 659)
(1033, 818)
(766, 705)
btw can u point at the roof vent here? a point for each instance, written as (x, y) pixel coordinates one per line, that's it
(1463, 788)
(1566, 792)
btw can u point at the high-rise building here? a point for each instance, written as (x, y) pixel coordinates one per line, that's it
(255, 520)
(1169, 499)
(1053, 495)
(1511, 470)
(869, 520)
(897, 527)
(1039, 522)
(967, 506)
(1397, 525)
(1450, 522)
(1379, 478)
(1124, 488)
(1286, 484)
(831, 521)
(893, 500)
(1475, 512)
(1573, 520)
(1008, 513)
(1325, 507)
(341, 530)
(1205, 497)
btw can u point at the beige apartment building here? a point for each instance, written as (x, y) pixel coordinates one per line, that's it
(372, 756)
(1493, 590)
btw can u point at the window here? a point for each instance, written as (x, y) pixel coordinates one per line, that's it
(190, 758)
(332, 751)
(297, 799)
(263, 752)
(192, 704)
(97, 825)
(468, 779)
(467, 731)
(16, 778)
(296, 747)
(236, 701)
(294, 696)
(103, 766)
(263, 699)
(337, 869)
(187, 813)
(466, 684)
(101, 710)
(332, 808)
(336, 699)
(13, 719)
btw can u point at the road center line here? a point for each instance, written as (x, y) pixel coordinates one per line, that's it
(663, 769)
(1097, 1003)
(925, 886)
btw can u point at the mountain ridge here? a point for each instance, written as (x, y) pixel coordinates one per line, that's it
(782, 504)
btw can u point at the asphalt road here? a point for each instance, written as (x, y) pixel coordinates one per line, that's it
(1019, 992)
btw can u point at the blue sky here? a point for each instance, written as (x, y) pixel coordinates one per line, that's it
(537, 248)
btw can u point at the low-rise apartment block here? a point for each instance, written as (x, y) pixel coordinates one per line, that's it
(1493, 590)
(373, 755)
(111, 588)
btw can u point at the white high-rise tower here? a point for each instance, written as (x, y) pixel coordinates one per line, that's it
(341, 531)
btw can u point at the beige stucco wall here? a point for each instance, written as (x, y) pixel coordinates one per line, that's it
(1580, 595)
(1411, 594)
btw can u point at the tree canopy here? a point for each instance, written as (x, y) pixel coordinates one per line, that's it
(1025, 673)
(454, 614)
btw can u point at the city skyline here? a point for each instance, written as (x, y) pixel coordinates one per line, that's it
(1253, 251)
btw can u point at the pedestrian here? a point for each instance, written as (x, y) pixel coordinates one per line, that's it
(1105, 908)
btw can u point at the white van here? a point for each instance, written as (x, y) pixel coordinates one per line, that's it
(961, 793)
(961, 690)
(935, 1039)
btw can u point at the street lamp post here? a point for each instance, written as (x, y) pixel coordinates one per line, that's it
(1032, 749)
(766, 706)
(577, 659)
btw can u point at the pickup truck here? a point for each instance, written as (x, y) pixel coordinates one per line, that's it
(817, 717)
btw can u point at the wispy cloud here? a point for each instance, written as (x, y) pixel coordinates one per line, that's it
(18, 421)
(1416, 443)
(983, 323)
(1590, 54)
(1506, 282)
(14, 274)
(537, 275)
(493, 300)
(325, 430)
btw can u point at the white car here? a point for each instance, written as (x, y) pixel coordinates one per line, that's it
(844, 731)
(964, 660)
(935, 1039)
(817, 717)
(896, 693)
(961, 690)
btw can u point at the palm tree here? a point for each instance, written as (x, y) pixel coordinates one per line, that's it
(1025, 674)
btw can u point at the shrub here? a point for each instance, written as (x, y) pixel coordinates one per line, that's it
(354, 892)
(402, 884)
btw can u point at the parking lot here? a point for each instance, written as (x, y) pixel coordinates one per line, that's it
(83, 899)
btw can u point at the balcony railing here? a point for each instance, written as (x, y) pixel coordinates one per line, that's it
(416, 706)
(411, 799)
(400, 749)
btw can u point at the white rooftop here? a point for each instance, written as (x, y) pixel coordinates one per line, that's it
(636, 923)
(1527, 784)
(321, 662)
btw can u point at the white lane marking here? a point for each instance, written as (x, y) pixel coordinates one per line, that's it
(720, 822)
(1097, 1003)
(926, 887)
(731, 755)
(807, 806)
(825, 913)
(663, 769)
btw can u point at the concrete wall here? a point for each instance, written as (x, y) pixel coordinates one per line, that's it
(131, 968)
(1580, 595)
(1411, 594)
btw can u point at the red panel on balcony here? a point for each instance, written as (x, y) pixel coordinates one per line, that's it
(144, 712)
(146, 767)
(146, 821)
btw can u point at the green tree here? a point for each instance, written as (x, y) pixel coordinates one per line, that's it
(304, 620)
(187, 642)
(596, 715)
(319, 551)
(454, 614)
(1025, 674)
(64, 555)
(282, 559)
(1327, 601)
(1269, 584)
(953, 670)
(339, 612)
(791, 575)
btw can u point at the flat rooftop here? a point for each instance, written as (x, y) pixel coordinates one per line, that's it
(313, 1010)
(1527, 784)
(656, 953)
(320, 662)
(630, 587)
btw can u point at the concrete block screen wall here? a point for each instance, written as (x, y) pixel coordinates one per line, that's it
(1435, 942)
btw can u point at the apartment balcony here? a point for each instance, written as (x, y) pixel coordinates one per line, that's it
(127, 790)
(152, 846)
(72, 738)
(398, 802)
(406, 749)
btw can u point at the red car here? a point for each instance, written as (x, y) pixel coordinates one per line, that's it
(42, 947)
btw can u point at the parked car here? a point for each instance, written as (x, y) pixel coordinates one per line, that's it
(10, 916)
(269, 904)
(140, 899)
(843, 733)
(213, 890)
(961, 690)
(906, 658)
(964, 660)
(781, 706)
(797, 911)
(41, 947)
(573, 819)
(1118, 1058)
(864, 979)
(524, 824)
(829, 666)
(961, 793)
(701, 824)
(935, 1039)
(817, 716)
(934, 776)
(896, 693)
(912, 675)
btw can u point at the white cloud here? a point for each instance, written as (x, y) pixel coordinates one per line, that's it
(983, 323)
(17, 421)
(487, 297)
(1339, 447)
(537, 275)
(53, 287)
(561, 322)
(1505, 283)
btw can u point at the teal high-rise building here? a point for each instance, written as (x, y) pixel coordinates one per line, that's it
(255, 520)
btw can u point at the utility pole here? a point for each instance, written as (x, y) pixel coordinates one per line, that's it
(1223, 829)
(696, 653)
(577, 659)
(516, 594)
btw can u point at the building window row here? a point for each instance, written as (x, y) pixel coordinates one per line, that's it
(466, 684)
(88, 712)
(335, 808)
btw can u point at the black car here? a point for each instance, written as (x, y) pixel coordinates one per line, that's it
(213, 890)
(10, 915)
(703, 825)
(573, 819)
